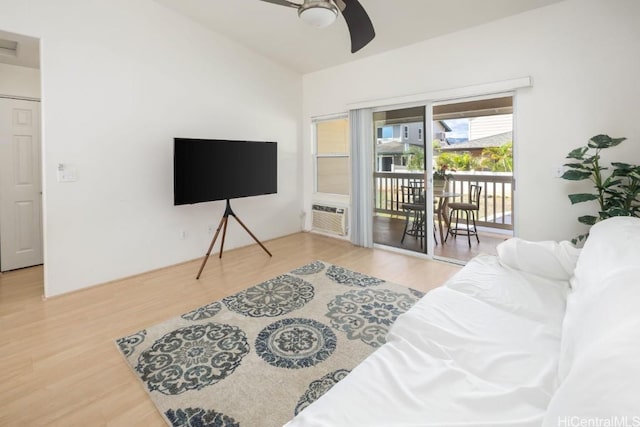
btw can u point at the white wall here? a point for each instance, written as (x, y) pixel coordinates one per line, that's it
(583, 58)
(120, 79)
(19, 81)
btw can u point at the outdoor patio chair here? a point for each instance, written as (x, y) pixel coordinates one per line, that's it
(469, 209)
(413, 207)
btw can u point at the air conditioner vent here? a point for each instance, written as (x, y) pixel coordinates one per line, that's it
(329, 219)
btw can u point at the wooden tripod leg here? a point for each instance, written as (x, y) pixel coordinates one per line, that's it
(213, 242)
(224, 234)
(250, 234)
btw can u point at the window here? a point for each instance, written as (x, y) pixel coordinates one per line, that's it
(419, 134)
(405, 132)
(385, 132)
(332, 156)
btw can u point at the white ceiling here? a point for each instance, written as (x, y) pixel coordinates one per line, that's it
(276, 31)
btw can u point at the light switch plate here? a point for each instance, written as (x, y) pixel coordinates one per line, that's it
(67, 174)
(558, 171)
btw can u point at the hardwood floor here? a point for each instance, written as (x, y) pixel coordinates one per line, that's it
(389, 231)
(59, 365)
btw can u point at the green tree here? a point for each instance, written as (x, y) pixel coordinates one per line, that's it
(437, 146)
(459, 161)
(415, 158)
(498, 159)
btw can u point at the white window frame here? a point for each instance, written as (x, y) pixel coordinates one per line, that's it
(316, 155)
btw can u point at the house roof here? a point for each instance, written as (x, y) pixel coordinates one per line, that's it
(393, 147)
(480, 143)
(398, 147)
(445, 125)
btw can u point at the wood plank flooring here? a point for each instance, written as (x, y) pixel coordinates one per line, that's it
(389, 231)
(59, 365)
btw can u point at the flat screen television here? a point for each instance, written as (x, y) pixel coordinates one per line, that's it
(218, 169)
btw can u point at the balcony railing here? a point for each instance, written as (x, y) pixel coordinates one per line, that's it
(496, 200)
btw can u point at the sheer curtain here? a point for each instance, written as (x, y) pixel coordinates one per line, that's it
(361, 135)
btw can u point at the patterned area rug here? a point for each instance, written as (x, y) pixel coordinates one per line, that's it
(259, 357)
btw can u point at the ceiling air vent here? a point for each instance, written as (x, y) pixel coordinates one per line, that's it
(8, 48)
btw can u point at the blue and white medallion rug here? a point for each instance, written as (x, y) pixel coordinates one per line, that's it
(259, 357)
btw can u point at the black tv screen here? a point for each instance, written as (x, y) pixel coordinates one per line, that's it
(220, 169)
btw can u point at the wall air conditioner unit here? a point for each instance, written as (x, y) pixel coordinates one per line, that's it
(329, 219)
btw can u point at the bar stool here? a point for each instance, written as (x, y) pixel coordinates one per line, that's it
(469, 209)
(413, 207)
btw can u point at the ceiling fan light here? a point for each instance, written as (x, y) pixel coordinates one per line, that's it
(318, 14)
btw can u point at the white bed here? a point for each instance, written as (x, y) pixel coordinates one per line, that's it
(543, 334)
(477, 351)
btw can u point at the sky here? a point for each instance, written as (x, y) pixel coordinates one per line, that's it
(459, 128)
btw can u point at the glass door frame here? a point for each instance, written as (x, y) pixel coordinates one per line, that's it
(501, 94)
(427, 135)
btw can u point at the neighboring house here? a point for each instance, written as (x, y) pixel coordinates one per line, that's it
(484, 126)
(475, 146)
(395, 142)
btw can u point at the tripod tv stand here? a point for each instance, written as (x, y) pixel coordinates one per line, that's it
(223, 222)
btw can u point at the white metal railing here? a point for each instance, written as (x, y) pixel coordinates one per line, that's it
(496, 199)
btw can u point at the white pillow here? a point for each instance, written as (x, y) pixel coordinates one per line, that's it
(547, 259)
(612, 244)
(605, 295)
(538, 298)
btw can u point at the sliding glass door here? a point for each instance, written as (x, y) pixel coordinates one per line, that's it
(473, 148)
(401, 218)
(429, 156)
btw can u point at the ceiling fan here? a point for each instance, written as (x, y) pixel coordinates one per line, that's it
(321, 13)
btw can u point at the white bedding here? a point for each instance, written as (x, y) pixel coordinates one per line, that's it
(600, 353)
(482, 350)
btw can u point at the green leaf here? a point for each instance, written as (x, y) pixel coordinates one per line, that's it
(579, 239)
(616, 141)
(611, 182)
(578, 153)
(604, 141)
(622, 166)
(575, 175)
(582, 197)
(613, 195)
(591, 160)
(588, 219)
(577, 166)
(617, 211)
(600, 141)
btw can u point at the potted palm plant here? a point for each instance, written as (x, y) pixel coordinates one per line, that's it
(617, 192)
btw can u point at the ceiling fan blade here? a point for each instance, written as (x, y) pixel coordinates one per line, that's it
(283, 3)
(360, 26)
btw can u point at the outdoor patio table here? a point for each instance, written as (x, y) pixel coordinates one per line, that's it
(417, 209)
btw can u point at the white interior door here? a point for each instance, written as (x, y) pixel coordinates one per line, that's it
(20, 185)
